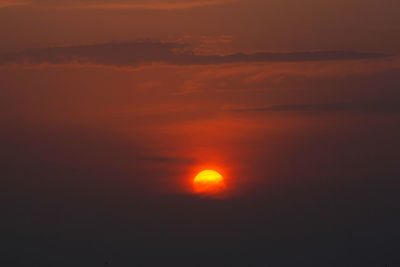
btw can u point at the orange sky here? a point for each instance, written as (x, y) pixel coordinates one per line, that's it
(255, 24)
(172, 121)
(110, 108)
(193, 83)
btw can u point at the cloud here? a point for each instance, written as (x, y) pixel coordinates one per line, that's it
(121, 4)
(146, 5)
(169, 160)
(126, 54)
(136, 53)
(369, 107)
(13, 3)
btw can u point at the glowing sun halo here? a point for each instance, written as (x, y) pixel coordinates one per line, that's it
(208, 182)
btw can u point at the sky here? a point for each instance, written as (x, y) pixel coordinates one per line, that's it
(109, 109)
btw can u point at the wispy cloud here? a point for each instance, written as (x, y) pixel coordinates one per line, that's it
(116, 5)
(144, 5)
(13, 3)
(136, 53)
(168, 160)
(368, 107)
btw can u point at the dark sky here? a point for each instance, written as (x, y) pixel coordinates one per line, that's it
(109, 109)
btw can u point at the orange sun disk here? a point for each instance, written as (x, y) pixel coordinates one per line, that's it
(208, 182)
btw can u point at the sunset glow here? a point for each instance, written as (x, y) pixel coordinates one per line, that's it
(200, 133)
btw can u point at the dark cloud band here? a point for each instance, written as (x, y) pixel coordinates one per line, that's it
(136, 53)
(370, 107)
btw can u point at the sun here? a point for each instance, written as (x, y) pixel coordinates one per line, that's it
(208, 182)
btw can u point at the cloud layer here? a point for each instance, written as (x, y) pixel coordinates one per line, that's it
(13, 3)
(369, 107)
(136, 53)
(121, 4)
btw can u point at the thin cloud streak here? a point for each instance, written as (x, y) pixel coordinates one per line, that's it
(117, 5)
(169, 160)
(145, 6)
(4, 4)
(137, 53)
(368, 107)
